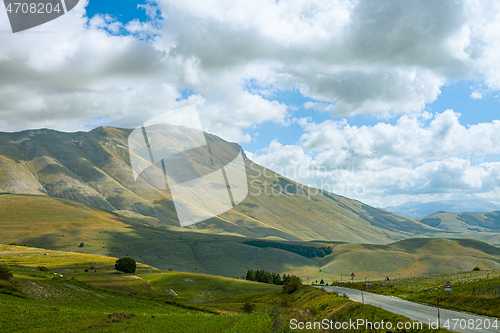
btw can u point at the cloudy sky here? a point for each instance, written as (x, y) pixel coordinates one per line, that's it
(382, 101)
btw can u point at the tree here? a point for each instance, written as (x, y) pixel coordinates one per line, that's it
(291, 284)
(250, 275)
(125, 265)
(81, 245)
(5, 274)
(249, 307)
(475, 269)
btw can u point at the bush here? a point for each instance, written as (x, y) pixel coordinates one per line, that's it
(292, 283)
(249, 307)
(475, 269)
(125, 265)
(43, 269)
(81, 245)
(5, 274)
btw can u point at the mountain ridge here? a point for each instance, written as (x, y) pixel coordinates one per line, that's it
(415, 209)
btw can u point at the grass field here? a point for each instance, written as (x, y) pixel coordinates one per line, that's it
(56, 291)
(200, 288)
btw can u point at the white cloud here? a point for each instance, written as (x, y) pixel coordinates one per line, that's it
(352, 57)
(415, 157)
(476, 94)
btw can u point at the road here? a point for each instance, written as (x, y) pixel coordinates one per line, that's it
(419, 312)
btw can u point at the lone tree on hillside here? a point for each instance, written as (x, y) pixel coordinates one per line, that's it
(125, 265)
(5, 274)
(291, 284)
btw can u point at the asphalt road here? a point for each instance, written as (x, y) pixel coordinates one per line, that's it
(458, 321)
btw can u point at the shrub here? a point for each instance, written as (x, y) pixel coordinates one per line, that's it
(475, 269)
(125, 265)
(81, 245)
(5, 274)
(43, 268)
(292, 283)
(249, 307)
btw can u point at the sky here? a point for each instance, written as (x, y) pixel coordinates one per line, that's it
(380, 101)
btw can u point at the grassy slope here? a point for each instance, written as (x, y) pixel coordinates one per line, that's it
(464, 221)
(62, 225)
(200, 288)
(94, 169)
(321, 305)
(474, 292)
(38, 300)
(411, 257)
(69, 300)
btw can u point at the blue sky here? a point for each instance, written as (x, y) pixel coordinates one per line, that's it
(396, 100)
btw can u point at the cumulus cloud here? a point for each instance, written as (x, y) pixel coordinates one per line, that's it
(350, 57)
(418, 156)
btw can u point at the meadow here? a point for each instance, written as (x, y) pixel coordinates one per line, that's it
(55, 291)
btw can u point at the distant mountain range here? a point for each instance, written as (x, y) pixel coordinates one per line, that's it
(93, 169)
(414, 209)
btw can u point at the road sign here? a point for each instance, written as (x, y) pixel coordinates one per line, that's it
(447, 287)
(352, 276)
(387, 279)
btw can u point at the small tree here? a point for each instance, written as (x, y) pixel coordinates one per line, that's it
(125, 265)
(475, 269)
(291, 284)
(249, 307)
(81, 245)
(5, 274)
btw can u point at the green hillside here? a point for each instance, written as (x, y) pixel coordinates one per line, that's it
(93, 168)
(67, 296)
(411, 257)
(47, 295)
(60, 224)
(470, 222)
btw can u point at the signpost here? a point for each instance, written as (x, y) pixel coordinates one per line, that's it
(352, 276)
(387, 279)
(448, 288)
(439, 319)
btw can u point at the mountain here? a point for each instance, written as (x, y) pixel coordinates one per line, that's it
(413, 209)
(464, 221)
(93, 168)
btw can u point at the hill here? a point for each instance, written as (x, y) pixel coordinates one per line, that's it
(415, 210)
(64, 291)
(64, 225)
(470, 222)
(46, 295)
(93, 168)
(407, 258)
